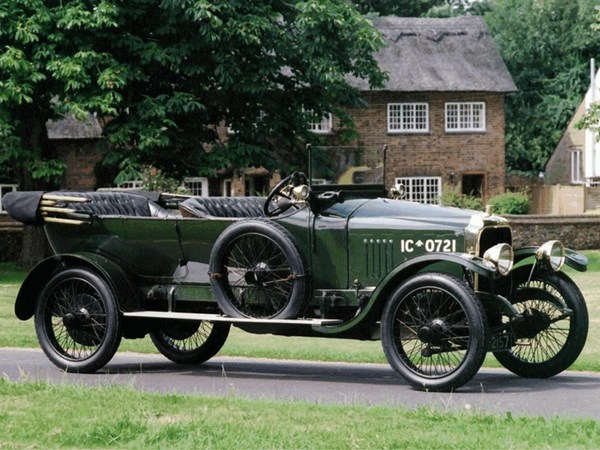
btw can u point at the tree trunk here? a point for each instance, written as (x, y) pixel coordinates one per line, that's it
(34, 139)
(35, 247)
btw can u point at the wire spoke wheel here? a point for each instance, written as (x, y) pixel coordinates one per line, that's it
(77, 322)
(259, 276)
(554, 327)
(260, 273)
(434, 333)
(190, 342)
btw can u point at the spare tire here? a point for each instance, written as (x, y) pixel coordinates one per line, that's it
(257, 271)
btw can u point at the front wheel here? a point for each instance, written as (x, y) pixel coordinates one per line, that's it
(554, 327)
(190, 342)
(434, 332)
(77, 321)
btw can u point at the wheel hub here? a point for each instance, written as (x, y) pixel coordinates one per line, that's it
(79, 323)
(258, 274)
(534, 322)
(432, 332)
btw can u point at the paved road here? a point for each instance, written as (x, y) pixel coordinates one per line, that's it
(570, 394)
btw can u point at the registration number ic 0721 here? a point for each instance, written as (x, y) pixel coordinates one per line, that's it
(429, 245)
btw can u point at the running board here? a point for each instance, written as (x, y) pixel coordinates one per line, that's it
(220, 318)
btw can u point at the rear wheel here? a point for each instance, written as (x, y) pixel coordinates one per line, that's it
(77, 321)
(190, 342)
(434, 332)
(554, 327)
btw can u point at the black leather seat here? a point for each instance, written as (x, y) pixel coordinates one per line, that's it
(210, 207)
(107, 203)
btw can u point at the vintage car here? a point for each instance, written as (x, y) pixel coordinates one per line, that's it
(337, 257)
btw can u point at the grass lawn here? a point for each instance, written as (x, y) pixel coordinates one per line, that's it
(31, 417)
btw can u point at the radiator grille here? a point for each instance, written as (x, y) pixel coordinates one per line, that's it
(492, 236)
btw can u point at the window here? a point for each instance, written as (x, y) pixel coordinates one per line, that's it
(422, 189)
(4, 189)
(197, 185)
(576, 167)
(473, 185)
(465, 116)
(226, 188)
(256, 185)
(132, 184)
(408, 117)
(323, 126)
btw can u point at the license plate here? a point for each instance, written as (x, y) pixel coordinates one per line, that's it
(501, 341)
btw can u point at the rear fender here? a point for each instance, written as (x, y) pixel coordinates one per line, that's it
(39, 276)
(372, 311)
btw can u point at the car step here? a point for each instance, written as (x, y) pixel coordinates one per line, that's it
(220, 318)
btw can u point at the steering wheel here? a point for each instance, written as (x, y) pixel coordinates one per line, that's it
(281, 197)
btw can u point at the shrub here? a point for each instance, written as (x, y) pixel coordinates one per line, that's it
(451, 196)
(510, 203)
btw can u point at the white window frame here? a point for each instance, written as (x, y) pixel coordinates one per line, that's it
(427, 190)
(324, 126)
(463, 117)
(576, 167)
(131, 184)
(227, 188)
(191, 182)
(408, 117)
(5, 189)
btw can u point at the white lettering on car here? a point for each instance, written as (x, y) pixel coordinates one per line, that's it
(430, 245)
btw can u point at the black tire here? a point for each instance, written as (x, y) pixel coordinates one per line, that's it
(547, 341)
(434, 332)
(257, 272)
(190, 342)
(77, 321)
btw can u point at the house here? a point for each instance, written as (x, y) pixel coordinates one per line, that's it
(441, 112)
(575, 161)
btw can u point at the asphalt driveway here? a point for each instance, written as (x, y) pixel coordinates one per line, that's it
(570, 394)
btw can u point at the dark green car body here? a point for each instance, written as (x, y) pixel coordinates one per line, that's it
(334, 260)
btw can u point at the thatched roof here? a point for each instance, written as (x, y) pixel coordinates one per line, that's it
(71, 128)
(455, 54)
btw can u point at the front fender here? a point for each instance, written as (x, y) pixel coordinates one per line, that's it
(405, 270)
(37, 278)
(573, 259)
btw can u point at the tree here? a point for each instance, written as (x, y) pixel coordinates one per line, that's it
(401, 8)
(422, 8)
(546, 46)
(591, 118)
(164, 73)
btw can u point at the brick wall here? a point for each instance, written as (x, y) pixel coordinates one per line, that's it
(11, 240)
(81, 157)
(579, 232)
(438, 153)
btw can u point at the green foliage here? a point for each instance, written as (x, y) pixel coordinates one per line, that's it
(169, 73)
(154, 179)
(591, 118)
(452, 196)
(510, 203)
(402, 8)
(546, 46)
(422, 8)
